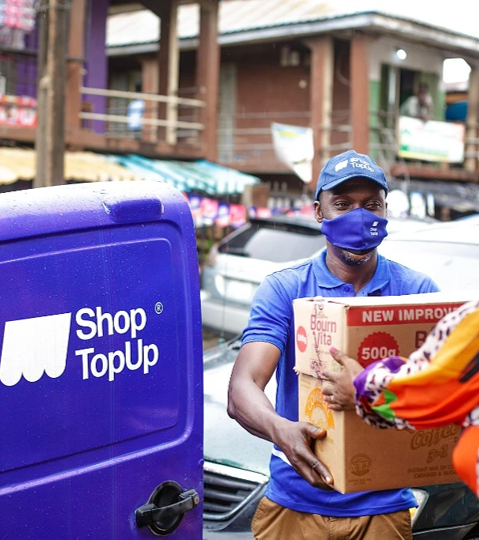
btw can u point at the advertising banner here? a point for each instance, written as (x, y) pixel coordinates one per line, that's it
(18, 111)
(431, 140)
(294, 147)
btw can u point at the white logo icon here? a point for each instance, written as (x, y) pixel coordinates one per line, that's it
(32, 347)
(374, 229)
(341, 165)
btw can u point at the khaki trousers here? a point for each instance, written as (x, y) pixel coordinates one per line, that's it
(273, 522)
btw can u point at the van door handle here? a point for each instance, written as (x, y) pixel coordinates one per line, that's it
(165, 508)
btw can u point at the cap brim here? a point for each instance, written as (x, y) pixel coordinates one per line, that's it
(348, 177)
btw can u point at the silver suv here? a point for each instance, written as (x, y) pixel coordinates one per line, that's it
(241, 261)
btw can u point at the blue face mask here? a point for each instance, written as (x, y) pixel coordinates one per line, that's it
(357, 230)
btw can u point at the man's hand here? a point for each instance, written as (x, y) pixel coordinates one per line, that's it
(250, 407)
(295, 440)
(338, 388)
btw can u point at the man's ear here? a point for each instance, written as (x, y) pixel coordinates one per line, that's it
(318, 215)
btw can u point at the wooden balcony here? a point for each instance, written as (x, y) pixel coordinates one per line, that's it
(166, 127)
(246, 143)
(147, 124)
(245, 140)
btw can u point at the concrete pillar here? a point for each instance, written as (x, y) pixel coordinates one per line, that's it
(75, 68)
(168, 66)
(471, 162)
(321, 100)
(359, 96)
(207, 75)
(149, 85)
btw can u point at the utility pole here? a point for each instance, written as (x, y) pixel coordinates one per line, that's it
(50, 135)
(42, 89)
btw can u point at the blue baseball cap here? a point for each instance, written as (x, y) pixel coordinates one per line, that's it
(349, 165)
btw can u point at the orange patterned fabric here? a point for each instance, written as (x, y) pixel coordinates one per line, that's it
(437, 385)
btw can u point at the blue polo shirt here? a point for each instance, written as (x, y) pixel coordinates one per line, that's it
(271, 320)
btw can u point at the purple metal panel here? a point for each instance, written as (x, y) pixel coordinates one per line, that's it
(101, 359)
(31, 39)
(96, 60)
(26, 80)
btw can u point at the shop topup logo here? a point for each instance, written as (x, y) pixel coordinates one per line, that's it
(32, 347)
(37, 346)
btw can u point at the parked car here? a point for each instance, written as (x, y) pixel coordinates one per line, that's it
(241, 261)
(237, 471)
(447, 252)
(236, 267)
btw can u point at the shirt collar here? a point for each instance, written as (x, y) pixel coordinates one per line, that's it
(380, 279)
(326, 279)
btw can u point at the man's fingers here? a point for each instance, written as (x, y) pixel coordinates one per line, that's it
(315, 432)
(327, 389)
(323, 472)
(350, 364)
(335, 407)
(329, 377)
(306, 462)
(339, 356)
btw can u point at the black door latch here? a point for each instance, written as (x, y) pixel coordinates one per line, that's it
(165, 508)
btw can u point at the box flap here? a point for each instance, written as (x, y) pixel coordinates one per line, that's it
(410, 299)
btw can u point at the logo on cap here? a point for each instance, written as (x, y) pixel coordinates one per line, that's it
(341, 165)
(361, 163)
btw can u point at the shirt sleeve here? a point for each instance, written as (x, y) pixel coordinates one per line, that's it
(428, 285)
(271, 314)
(409, 107)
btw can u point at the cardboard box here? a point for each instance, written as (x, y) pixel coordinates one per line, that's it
(362, 458)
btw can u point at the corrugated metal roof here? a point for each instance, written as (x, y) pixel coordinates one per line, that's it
(187, 176)
(142, 27)
(20, 164)
(132, 28)
(201, 175)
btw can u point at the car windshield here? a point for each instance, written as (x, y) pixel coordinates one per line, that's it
(274, 244)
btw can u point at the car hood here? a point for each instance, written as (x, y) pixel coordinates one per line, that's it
(247, 269)
(226, 442)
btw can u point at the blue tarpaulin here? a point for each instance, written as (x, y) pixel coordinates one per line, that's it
(187, 176)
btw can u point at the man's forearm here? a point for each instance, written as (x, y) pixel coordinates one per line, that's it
(251, 408)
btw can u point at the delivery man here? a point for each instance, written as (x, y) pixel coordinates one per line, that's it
(300, 502)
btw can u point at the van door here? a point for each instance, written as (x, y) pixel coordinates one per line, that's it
(101, 364)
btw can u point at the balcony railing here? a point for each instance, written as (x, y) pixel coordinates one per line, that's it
(384, 145)
(245, 139)
(147, 117)
(246, 142)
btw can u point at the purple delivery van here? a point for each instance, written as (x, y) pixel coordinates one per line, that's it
(101, 385)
